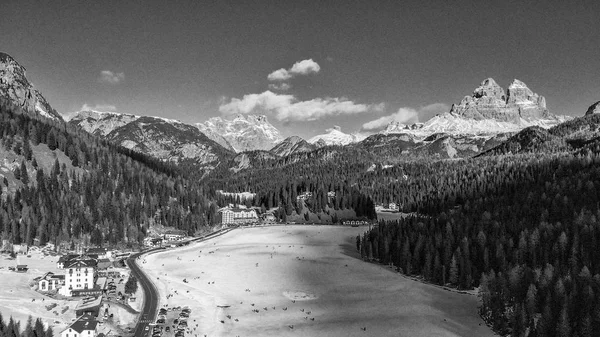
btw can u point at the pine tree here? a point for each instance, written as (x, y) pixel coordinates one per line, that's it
(453, 276)
(24, 174)
(563, 328)
(28, 332)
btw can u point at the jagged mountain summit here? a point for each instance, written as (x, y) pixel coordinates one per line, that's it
(335, 136)
(16, 89)
(291, 145)
(162, 138)
(242, 133)
(490, 101)
(488, 111)
(593, 109)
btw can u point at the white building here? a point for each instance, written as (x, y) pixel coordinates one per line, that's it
(393, 206)
(230, 216)
(174, 235)
(50, 282)
(84, 326)
(80, 274)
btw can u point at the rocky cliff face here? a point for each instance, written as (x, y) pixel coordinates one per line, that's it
(490, 101)
(165, 139)
(291, 145)
(16, 89)
(242, 133)
(593, 109)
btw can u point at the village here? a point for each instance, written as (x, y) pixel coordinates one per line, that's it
(84, 291)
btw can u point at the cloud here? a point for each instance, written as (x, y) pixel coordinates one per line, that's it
(407, 116)
(303, 67)
(280, 86)
(109, 77)
(279, 75)
(288, 108)
(98, 107)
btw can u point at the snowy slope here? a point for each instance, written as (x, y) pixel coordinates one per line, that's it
(451, 123)
(335, 136)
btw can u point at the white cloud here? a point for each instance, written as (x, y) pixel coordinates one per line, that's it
(109, 77)
(288, 108)
(279, 75)
(303, 67)
(407, 116)
(98, 107)
(280, 86)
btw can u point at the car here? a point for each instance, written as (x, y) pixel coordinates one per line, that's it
(167, 329)
(175, 321)
(147, 328)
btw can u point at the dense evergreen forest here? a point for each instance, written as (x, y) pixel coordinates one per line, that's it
(524, 229)
(31, 329)
(109, 196)
(278, 183)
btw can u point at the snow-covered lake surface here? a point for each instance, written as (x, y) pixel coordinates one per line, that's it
(303, 281)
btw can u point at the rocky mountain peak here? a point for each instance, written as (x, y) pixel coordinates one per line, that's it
(489, 89)
(16, 89)
(490, 101)
(291, 145)
(593, 109)
(242, 133)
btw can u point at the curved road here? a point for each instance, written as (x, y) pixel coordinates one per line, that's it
(150, 308)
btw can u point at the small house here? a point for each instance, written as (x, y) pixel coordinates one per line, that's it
(50, 281)
(21, 268)
(84, 326)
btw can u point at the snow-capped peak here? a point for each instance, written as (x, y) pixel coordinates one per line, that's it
(335, 136)
(242, 132)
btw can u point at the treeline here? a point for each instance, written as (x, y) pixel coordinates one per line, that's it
(278, 184)
(32, 329)
(526, 233)
(109, 195)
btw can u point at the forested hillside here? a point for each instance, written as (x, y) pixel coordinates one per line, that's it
(277, 183)
(524, 229)
(110, 195)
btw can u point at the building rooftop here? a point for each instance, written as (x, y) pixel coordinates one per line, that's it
(89, 303)
(237, 210)
(83, 323)
(81, 263)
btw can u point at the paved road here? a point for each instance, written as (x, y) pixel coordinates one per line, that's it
(150, 308)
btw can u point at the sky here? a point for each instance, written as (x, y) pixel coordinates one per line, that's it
(307, 65)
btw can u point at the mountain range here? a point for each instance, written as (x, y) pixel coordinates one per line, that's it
(487, 117)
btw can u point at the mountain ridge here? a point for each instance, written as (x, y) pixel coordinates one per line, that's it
(16, 88)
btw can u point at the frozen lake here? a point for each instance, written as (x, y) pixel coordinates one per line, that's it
(303, 281)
